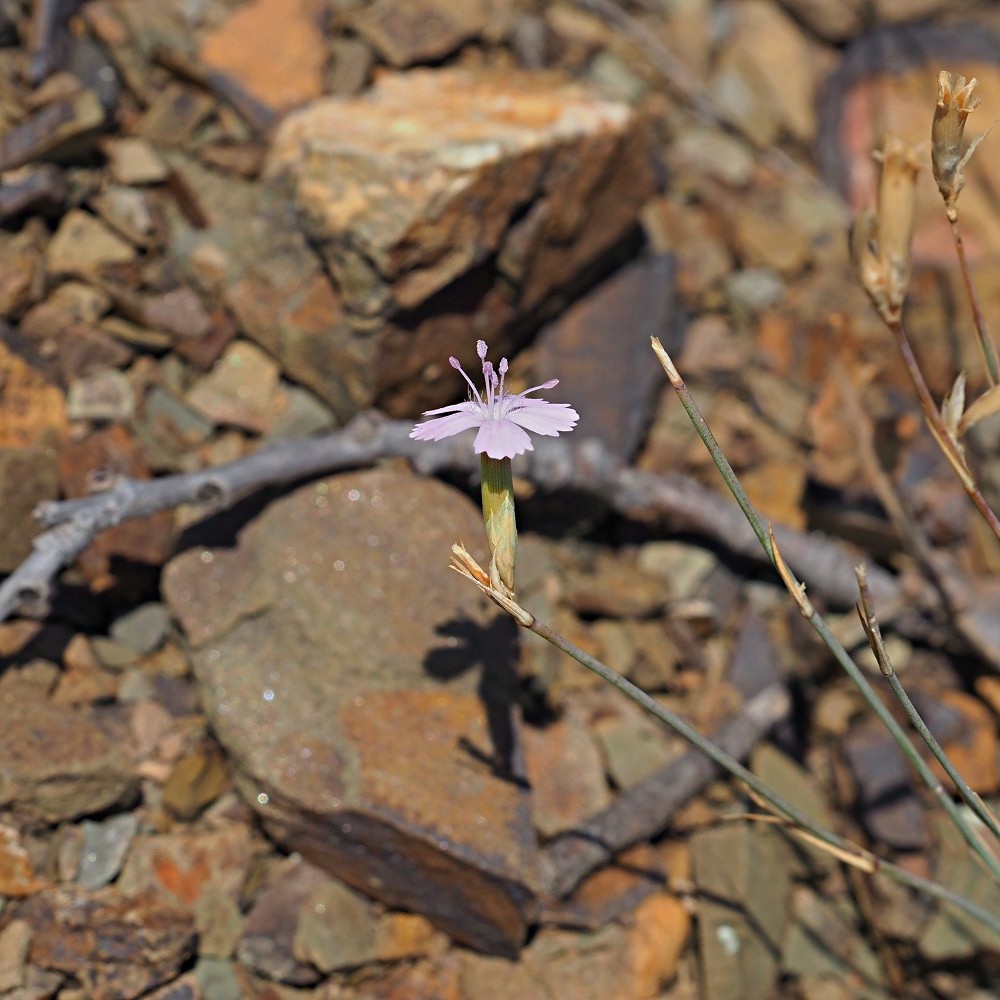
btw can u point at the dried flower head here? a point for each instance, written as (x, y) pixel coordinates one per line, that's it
(880, 245)
(955, 103)
(503, 418)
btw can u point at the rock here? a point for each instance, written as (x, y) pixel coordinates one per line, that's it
(786, 64)
(336, 928)
(220, 923)
(103, 849)
(971, 744)
(83, 246)
(143, 629)
(420, 31)
(20, 270)
(273, 50)
(609, 379)
(266, 945)
(31, 408)
(27, 477)
(196, 781)
(610, 587)
(609, 964)
(834, 22)
(116, 948)
(63, 129)
(566, 775)
(633, 750)
(39, 189)
(132, 213)
(17, 874)
(64, 348)
(242, 390)
(57, 763)
(349, 68)
(134, 161)
(744, 882)
(183, 867)
(385, 767)
(175, 113)
(104, 395)
(15, 939)
(659, 931)
(887, 800)
(141, 541)
(476, 147)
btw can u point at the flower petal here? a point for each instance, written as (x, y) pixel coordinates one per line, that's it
(547, 419)
(444, 427)
(469, 406)
(502, 439)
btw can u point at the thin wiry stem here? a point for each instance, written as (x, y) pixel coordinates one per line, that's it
(982, 332)
(843, 848)
(797, 590)
(944, 439)
(869, 621)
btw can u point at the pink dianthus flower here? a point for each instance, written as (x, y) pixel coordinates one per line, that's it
(503, 418)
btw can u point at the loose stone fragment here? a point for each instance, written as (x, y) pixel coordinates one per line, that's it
(116, 948)
(420, 30)
(83, 246)
(57, 763)
(104, 847)
(27, 477)
(272, 49)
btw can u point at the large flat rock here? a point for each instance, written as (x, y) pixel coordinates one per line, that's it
(364, 695)
(445, 198)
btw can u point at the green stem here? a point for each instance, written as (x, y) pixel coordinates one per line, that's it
(968, 796)
(841, 655)
(869, 861)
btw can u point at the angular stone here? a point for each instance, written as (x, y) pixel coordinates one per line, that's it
(17, 875)
(266, 943)
(15, 940)
(274, 50)
(58, 763)
(420, 30)
(566, 775)
(27, 477)
(516, 183)
(242, 390)
(385, 767)
(20, 269)
(183, 867)
(83, 246)
(610, 379)
(134, 161)
(196, 781)
(64, 128)
(887, 801)
(103, 849)
(102, 395)
(31, 408)
(64, 348)
(144, 540)
(116, 948)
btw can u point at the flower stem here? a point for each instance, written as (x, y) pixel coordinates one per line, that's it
(501, 524)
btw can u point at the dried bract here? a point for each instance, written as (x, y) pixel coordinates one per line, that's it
(880, 245)
(955, 103)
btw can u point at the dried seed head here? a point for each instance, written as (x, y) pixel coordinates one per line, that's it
(955, 103)
(880, 246)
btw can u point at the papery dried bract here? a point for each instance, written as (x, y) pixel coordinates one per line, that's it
(955, 103)
(880, 244)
